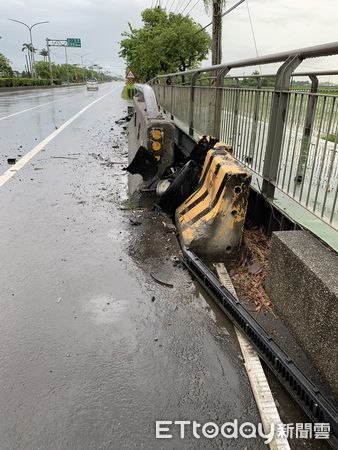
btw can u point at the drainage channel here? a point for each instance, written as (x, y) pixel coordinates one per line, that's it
(305, 393)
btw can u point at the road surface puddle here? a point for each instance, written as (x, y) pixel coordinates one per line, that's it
(106, 310)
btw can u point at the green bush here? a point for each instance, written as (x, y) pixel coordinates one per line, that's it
(130, 91)
(13, 82)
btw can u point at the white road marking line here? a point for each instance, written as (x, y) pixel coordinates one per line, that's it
(259, 384)
(25, 110)
(9, 173)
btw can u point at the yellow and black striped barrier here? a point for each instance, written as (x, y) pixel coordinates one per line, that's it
(211, 220)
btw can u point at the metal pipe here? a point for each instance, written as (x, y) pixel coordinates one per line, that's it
(149, 99)
(328, 49)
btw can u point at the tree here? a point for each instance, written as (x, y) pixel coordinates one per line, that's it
(217, 10)
(44, 53)
(5, 67)
(42, 69)
(166, 43)
(30, 50)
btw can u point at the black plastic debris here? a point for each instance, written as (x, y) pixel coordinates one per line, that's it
(126, 118)
(144, 163)
(11, 161)
(199, 152)
(182, 186)
(135, 223)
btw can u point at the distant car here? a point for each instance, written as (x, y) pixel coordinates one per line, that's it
(92, 84)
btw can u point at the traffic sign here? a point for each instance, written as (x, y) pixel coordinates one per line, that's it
(73, 42)
(130, 75)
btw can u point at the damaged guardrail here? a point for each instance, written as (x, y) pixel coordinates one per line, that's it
(151, 134)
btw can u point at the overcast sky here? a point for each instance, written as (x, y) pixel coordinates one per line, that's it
(279, 25)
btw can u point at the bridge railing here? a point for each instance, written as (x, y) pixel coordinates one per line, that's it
(287, 134)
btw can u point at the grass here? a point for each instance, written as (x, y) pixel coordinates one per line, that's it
(127, 92)
(329, 137)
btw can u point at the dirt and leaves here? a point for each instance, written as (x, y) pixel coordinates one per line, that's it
(249, 274)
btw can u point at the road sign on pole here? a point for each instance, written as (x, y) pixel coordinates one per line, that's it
(130, 77)
(73, 42)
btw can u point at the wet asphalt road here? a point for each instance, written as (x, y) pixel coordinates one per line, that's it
(92, 349)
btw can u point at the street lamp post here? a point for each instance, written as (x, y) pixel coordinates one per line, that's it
(31, 39)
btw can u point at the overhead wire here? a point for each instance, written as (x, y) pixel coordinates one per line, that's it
(186, 6)
(193, 7)
(178, 6)
(253, 32)
(172, 4)
(222, 15)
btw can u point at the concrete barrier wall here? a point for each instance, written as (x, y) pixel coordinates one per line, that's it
(302, 282)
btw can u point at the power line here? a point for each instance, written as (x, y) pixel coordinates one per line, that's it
(178, 6)
(172, 3)
(222, 15)
(253, 32)
(192, 7)
(186, 6)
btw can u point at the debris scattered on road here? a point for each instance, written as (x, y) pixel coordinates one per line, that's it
(123, 119)
(135, 223)
(68, 355)
(170, 227)
(153, 298)
(11, 161)
(59, 300)
(163, 283)
(156, 339)
(63, 157)
(109, 163)
(175, 260)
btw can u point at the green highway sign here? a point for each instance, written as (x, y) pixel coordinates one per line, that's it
(73, 42)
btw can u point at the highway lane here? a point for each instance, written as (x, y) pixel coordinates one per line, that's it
(92, 349)
(26, 118)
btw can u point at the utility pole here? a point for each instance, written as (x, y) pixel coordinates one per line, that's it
(67, 64)
(216, 49)
(82, 64)
(49, 63)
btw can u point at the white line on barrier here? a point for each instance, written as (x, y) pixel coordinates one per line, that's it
(8, 174)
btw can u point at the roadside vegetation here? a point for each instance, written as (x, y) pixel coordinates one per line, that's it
(330, 137)
(5, 67)
(127, 92)
(166, 43)
(60, 72)
(19, 81)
